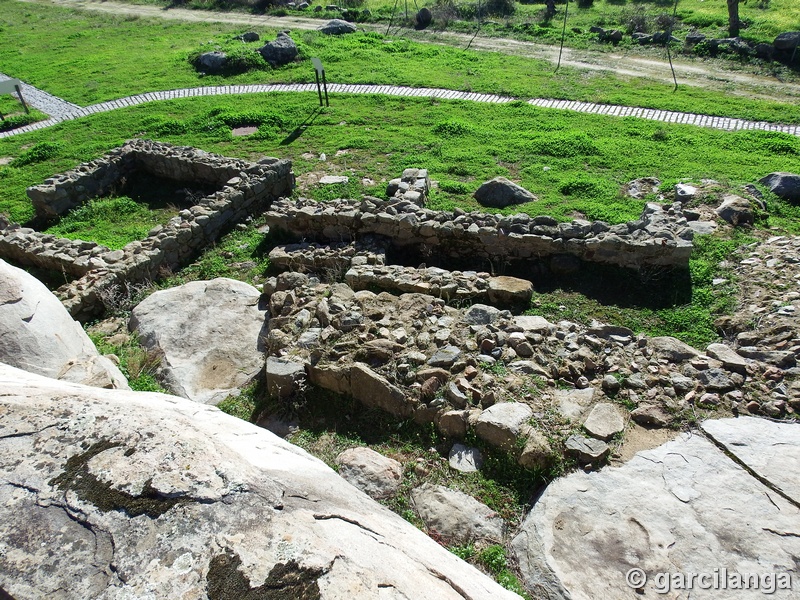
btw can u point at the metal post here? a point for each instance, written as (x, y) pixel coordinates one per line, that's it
(669, 54)
(325, 85)
(21, 99)
(319, 89)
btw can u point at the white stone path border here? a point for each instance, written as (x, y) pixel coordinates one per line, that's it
(60, 110)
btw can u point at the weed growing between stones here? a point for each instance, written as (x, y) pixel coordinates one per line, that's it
(137, 364)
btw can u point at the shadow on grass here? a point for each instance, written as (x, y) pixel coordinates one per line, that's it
(301, 128)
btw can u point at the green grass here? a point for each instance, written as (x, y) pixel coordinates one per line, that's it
(242, 255)
(93, 57)
(331, 424)
(762, 19)
(138, 365)
(573, 174)
(112, 222)
(681, 308)
(14, 113)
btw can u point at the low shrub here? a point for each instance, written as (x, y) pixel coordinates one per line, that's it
(17, 121)
(38, 153)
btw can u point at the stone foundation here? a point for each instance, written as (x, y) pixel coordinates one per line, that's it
(330, 261)
(28, 248)
(660, 238)
(463, 286)
(245, 188)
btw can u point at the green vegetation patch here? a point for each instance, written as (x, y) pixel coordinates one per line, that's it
(576, 164)
(112, 222)
(108, 67)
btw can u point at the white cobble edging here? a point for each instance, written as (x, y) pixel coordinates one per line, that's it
(61, 110)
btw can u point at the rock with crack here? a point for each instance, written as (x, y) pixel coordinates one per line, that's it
(765, 448)
(684, 507)
(37, 334)
(112, 494)
(209, 334)
(455, 516)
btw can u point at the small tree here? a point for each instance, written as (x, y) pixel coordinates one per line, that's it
(733, 18)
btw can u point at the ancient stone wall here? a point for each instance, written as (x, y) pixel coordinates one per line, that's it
(245, 188)
(661, 237)
(29, 248)
(65, 191)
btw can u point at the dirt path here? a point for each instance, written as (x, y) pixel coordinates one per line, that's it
(710, 75)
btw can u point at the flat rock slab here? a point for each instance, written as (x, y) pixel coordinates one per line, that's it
(771, 450)
(506, 290)
(586, 450)
(188, 502)
(684, 507)
(465, 458)
(729, 359)
(371, 472)
(210, 334)
(573, 403)
(604, 421)
(243, 131)
(502, 424)
(333, 179)
(456, 516)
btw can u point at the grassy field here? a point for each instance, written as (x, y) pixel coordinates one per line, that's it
(93, 58)
(576, 164)
(14, 114)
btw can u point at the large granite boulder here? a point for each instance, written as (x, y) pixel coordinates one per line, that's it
(337, 27)
(788, 40)
(209, 333)
(119, 494)
(500, 192)
(783, 185)
(684, 507)
(281, 51)
(212, 62)
(37, 334)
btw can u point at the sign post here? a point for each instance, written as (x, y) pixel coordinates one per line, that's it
(319, 70)
(10, 86)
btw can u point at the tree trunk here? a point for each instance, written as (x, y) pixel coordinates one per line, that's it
(733, 18)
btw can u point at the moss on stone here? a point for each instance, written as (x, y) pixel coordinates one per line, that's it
(286, 581)
(76, 477)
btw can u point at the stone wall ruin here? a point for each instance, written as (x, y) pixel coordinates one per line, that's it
(661, 237)
(244, 188)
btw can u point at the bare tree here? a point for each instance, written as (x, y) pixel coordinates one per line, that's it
(733, 18)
